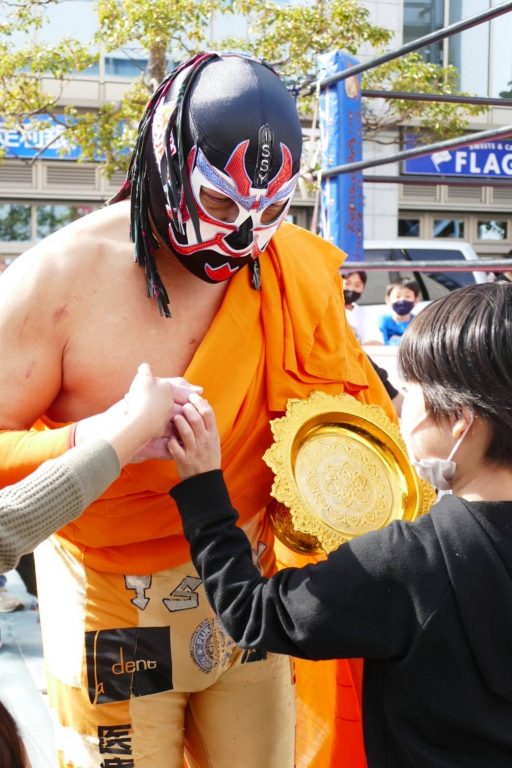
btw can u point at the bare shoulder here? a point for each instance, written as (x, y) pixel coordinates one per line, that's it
(101, 235)
(46, 295)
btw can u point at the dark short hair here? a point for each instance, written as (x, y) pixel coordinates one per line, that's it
(459, 350)
(12, 751)
(361, 274)
(403, 282)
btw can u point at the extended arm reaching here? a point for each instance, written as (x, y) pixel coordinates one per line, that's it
(60, 489)
(352, 604)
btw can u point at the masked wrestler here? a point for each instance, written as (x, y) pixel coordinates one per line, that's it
(140, 671)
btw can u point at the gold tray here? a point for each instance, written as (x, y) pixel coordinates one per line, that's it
(341, 469)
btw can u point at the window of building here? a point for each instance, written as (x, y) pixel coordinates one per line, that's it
(473, 70)
(448, 228)
(489, 233)
(487, 74)
(15, 222)
(52, 217)
(25, 223)
(492, 230)
(500, 84)
(421, 17)
(300, 215)
(408, 227)
(124, 67)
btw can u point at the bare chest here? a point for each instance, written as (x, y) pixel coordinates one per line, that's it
(112, 334)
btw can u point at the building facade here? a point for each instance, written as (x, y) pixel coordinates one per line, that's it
(479, 214)
(40, 192)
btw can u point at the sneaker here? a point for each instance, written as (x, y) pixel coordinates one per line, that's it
(8, 604)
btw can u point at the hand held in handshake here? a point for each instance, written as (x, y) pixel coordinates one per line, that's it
(196, 444)
(139, 426)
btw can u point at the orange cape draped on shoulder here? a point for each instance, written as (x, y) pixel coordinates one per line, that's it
(263, 347)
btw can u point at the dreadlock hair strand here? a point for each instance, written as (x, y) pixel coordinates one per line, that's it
(136, 184)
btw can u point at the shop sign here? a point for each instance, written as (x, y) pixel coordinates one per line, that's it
(493, 158)
(29, 141)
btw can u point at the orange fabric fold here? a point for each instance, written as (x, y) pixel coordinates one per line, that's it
(263, 347)
(304, 320)
(21, 452)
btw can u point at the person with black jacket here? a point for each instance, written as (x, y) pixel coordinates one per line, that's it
(426, 603)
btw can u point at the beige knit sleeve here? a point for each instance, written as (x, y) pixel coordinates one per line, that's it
(53, 495)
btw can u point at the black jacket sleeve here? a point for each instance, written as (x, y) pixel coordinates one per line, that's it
(356, 603)
(383, 376)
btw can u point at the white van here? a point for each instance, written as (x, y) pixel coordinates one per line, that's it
(432, 284)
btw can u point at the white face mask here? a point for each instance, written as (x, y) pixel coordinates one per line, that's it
(437, 472)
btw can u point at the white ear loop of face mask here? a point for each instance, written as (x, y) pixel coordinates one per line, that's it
(438, 472)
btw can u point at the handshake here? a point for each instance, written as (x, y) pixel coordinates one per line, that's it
(158, 419)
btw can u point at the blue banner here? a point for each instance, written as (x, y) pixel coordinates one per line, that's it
(494, 158)
(341, 201)
(47, 142)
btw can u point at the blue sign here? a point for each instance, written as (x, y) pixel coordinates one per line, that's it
(494, 158)
(47, 142)
(341, 200)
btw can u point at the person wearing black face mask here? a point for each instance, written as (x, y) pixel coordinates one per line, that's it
(402, 295)
(354, 284)
(221, 292)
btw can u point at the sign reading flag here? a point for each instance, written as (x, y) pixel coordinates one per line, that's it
(494, 158)
(341, 200)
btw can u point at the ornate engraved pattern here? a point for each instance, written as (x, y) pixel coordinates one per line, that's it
(344, 483)
(341, 469)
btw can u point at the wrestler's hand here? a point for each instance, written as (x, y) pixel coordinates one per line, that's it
(196, 447)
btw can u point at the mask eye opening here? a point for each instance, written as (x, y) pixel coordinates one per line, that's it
(268, 217)
(222, 209)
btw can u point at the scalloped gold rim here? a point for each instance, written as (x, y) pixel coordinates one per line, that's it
(300, 414)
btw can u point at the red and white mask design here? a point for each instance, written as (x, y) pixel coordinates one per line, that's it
(236, 219)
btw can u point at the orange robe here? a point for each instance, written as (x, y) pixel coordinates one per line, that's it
(287, 340)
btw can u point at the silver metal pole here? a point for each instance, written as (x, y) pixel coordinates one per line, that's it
(420, 42)
(451, 98)
(461, 141)
(469, 265)
(430, 179)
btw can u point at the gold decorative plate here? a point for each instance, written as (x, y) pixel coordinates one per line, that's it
(341, 469)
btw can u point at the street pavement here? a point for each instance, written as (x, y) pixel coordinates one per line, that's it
(22, 681)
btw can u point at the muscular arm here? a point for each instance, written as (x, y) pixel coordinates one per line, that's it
(69, 346)
(33, 319)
